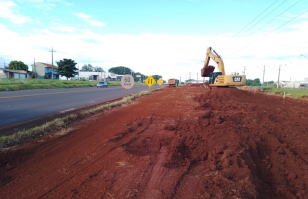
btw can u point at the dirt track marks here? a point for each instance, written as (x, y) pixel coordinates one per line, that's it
(178, 143)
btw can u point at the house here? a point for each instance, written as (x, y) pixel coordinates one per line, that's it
(44, 70)
(17, 74)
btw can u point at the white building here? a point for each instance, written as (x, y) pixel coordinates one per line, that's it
(95, 76)
(293, 84)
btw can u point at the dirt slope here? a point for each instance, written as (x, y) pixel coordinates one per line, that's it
(181, 142)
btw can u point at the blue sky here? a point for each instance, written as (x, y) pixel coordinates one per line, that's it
(158, 37)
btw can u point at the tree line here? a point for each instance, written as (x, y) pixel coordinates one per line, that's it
(90, 68)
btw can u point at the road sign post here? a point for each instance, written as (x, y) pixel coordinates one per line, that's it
(150, 81)
(160, 81)
(127, 82)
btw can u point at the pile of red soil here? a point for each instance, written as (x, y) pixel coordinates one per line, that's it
(177, 143)
(305, 96)
(206, 71)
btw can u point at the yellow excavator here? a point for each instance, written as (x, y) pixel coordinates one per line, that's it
(220, 79)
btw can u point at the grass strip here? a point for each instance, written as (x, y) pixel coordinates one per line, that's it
(12, 84)
(60, 123)
(296, 92)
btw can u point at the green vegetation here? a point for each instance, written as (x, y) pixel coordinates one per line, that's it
(22, 136)
(296, 92)
(122, 70)
(90, 68)
(67, 68)
(18, 65)
(29, 84)
(255, 82)
(62, 123)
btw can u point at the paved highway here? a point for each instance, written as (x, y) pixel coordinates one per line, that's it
(21, 106)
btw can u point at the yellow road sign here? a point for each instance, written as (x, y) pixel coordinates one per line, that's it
(150, 81)
(160, 81)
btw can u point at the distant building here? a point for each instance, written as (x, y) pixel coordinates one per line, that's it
(293, 84)
(44, 70)
(119, 77)
(96, 76)
(17, 74)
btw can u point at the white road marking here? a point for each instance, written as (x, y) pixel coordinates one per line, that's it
(67, 110)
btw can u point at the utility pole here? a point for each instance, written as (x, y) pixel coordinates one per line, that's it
(244, 70)
(52, 51)
(263, 74)
(197, 78)
(35, 76)
(278, 77)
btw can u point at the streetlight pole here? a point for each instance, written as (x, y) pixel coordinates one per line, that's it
(52, 51)
(278, 77)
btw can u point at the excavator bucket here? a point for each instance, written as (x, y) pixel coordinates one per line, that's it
(206, 71)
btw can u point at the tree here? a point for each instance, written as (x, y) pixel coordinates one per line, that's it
(98, 69)
(120, 70)
(156, 77)
(18, 65)
(67, 68)
(255, 82)
(87, 68)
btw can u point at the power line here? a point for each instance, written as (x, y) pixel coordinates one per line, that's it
(252, 21)
(264, 17)
(275, 17)
(268, 33)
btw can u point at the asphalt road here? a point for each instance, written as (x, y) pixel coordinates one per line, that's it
(21, 106)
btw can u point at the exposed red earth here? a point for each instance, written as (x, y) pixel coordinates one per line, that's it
(182, 142)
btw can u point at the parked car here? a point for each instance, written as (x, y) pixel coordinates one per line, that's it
(101, 84)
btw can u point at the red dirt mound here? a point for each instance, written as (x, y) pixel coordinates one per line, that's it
(180, 143)
(305, 96)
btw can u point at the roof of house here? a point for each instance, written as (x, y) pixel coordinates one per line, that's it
(14, 71)
(49, 65)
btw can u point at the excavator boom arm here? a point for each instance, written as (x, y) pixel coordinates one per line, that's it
(208, 69)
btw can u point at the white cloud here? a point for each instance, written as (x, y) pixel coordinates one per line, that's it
(96, 23)
(88, 20)
(6, 11)
(168, 55)
(68, 29)
(82, 15)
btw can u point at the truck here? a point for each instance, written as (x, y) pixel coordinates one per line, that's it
(172, 82)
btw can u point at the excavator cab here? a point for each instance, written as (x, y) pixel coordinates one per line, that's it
(213, 77)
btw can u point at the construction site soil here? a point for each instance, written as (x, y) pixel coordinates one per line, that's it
(182, 142)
